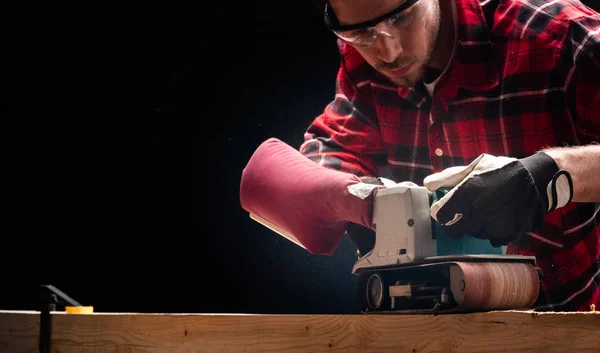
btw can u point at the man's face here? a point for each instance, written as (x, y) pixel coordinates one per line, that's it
(404, 43)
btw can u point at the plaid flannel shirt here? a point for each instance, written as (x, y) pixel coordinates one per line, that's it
(525, 76)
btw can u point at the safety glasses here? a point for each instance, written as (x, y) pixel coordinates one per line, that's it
(365, 34)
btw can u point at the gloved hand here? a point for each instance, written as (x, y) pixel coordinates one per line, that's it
(499, 198)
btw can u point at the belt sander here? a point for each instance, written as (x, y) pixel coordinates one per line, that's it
(411, 267)
(414, 267)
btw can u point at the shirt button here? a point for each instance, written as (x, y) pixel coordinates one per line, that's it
(439, 152)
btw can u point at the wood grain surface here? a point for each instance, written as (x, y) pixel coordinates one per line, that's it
(501, 331)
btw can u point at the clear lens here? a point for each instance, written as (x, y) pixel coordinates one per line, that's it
(405, 21)
(360, 37)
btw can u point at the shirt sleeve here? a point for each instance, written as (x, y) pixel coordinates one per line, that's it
(346, 136)
(582, 86)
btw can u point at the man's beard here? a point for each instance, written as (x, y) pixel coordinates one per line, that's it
(413, 77)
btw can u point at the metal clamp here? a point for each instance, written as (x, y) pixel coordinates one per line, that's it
(49, 296)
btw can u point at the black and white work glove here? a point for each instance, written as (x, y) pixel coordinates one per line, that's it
(499, 198)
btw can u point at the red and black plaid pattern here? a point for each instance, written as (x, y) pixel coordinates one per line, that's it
(525, 76)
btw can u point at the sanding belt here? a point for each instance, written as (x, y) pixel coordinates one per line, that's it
(495, 285)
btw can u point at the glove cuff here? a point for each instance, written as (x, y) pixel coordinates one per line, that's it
(554, 185)
(560, 190)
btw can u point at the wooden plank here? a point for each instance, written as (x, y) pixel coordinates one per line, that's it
(504, 331)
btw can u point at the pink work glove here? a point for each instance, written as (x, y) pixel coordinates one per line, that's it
(301, 197)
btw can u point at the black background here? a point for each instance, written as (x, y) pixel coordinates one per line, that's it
(126, 132)
(137, 210)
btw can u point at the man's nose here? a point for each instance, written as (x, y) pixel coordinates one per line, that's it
(388, 45)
